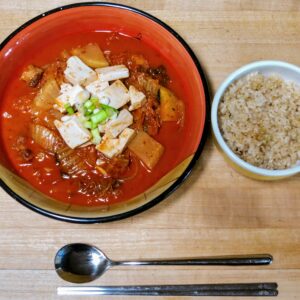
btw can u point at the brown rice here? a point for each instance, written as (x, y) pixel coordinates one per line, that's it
(259, 118)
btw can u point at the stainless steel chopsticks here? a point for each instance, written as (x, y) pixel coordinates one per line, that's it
(243, 289)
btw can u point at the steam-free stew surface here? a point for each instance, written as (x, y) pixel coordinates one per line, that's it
(40, 168)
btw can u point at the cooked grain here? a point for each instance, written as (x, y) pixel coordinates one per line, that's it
(259, 118)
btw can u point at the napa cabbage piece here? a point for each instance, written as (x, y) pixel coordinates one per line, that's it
(32, 75)
(45, 98)
(45, 137)
(149, 85)
(69, 161)
(91, 54)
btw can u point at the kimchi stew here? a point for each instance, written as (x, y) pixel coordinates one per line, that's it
(93, 123)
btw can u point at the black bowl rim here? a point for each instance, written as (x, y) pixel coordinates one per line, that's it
(188, 169)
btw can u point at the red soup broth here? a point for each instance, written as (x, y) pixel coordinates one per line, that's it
(44, 174)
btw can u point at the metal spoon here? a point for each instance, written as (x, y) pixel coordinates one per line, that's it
(80, 263)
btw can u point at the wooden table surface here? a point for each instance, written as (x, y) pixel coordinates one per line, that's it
(215, 212)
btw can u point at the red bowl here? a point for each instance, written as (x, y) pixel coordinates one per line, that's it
(76, 19)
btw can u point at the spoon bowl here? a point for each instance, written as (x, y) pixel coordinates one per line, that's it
(81, 263)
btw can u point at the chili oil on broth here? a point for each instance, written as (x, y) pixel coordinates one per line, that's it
(43, 172)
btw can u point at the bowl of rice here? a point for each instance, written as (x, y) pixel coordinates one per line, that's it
(256, 119)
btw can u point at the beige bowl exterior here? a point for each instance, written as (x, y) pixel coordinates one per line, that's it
(243, 171)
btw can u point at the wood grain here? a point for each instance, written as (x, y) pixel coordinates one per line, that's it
(215, 212)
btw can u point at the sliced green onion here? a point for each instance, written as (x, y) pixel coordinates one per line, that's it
(94, 100)
(80, 109)
(105, 106)
(88, 111)
(70, 110)
(94, 125)
(99, 117)
(96, 136)
(87, 124)
(81, 118)
(92, 107)
(87, 104)
(110, 111)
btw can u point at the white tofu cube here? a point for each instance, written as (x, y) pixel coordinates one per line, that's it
(112, 147)
(73, 95)
(112, 73)
(73, 132)
(78, 95)
(96, 88)
(117, 94)
(125, 137)
(78, 73)
(114, 127)
(66, 118)
(104, 100)
(61, 100)
(137, 98)
(109, 147)
(65, 88)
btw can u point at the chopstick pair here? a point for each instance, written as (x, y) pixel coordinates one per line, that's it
(265, 289)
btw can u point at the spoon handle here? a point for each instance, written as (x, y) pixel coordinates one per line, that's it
(244, 289)
(244, 260)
